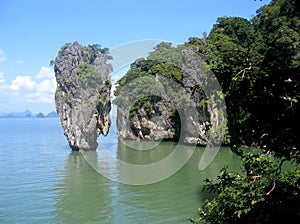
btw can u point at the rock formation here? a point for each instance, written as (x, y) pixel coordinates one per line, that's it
(170, 112)
(166, 121)
(83, 93)
(155, 125)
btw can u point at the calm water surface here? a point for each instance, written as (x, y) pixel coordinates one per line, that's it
(42, 181)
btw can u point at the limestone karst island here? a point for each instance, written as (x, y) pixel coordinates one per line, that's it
(83, 94)
(171, 96)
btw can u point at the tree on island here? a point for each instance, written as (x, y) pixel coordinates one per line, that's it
(257, 63)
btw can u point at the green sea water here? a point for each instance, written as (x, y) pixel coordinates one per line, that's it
(42, 181)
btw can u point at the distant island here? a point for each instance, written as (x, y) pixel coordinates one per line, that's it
(28, 114)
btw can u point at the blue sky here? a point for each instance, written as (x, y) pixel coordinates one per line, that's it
(32, 32)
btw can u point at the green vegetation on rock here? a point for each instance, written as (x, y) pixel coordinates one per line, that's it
(156, 85)
(257, 64)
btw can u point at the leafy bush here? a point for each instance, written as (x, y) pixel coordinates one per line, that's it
(261, 193)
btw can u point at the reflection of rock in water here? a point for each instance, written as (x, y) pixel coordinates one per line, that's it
(147, 152)
(83, 196)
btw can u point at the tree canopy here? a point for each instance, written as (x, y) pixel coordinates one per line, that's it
(257, 63)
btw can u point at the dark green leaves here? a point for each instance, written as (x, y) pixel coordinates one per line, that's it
(256, 195)
(257, 63)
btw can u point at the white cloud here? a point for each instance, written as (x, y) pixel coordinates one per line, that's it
(40, 97)
(22, 83)
(45, 72)
(2, 56)
(28, 91)
(19, 62)
(2, 80)
(47, 85)
(35, 91)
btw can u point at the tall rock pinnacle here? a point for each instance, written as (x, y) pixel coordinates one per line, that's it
(83, 93)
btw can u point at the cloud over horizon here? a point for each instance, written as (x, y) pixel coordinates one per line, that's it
(31, 89)
(22, 83)
(2, 56)
(19, 62)
(2, 80)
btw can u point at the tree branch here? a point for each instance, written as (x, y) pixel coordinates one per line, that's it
(274, 185)
(243, 71)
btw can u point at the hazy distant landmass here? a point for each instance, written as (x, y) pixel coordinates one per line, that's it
(52, 114)
(29, 114)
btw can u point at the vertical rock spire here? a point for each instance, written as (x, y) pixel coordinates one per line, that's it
(83, 93)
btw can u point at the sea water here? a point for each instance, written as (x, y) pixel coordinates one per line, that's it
(42, 181)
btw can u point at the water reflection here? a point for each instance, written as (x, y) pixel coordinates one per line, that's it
(83, 196)
(146, 153)
(140, 167)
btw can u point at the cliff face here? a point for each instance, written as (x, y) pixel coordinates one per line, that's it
(83, 94)
(165, 121)
(161, 105)
(155, 125)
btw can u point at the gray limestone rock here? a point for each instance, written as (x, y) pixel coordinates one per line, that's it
(176, 112)
(83, 94)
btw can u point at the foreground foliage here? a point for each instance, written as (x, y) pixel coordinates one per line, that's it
(261, 193)
(257, 63)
